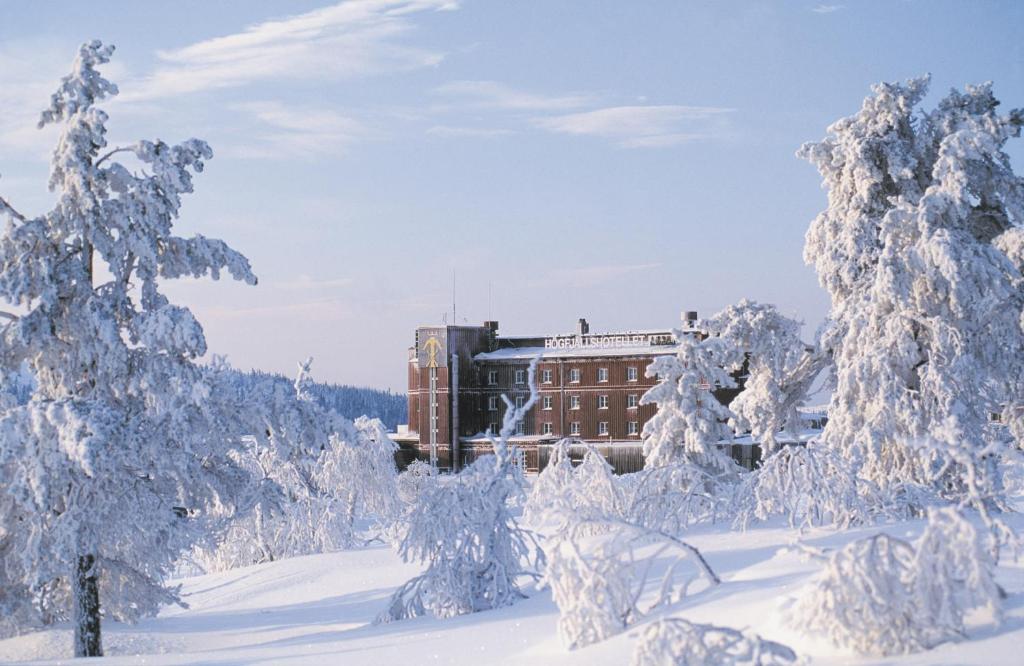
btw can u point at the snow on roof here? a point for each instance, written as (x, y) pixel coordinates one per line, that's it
(528, 353)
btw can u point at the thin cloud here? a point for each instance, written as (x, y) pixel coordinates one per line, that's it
(641, 126)
(494, 95)
(827, 9)
(468, 132)
(345, 40)
(295, 131)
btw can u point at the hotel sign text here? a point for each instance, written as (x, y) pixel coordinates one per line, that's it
(607, 341)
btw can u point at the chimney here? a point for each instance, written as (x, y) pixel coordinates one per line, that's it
(582, 328)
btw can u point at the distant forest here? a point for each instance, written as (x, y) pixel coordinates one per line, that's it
(349, 401)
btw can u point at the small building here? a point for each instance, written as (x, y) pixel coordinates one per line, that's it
(590, 386)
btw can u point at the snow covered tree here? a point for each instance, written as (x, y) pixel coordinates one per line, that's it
(920, 252)
(690, 421)
(463, 528)
(121, 448)
(780, 369)
(883, 596)
(675, 641)
(601, 585)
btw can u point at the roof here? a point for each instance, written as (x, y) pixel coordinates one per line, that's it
(529, 353)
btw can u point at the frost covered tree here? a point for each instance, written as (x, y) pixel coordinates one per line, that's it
(462, 527)
(883, 596)
(315, 472)
(111, 464)
(920, 250)
(677, 641)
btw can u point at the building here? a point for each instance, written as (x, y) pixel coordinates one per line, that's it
(590, 387)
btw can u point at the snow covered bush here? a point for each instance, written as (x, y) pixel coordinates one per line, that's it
(677, 642)
(315, 472)
(919, 250)
(809, 485)
(120, 454)
(884, 596)
(600, 583)
(590, 488)
(556, 480)
(463, 529)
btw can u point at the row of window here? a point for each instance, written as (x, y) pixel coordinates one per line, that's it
(547, 402)
(632, 428)
(632, 375)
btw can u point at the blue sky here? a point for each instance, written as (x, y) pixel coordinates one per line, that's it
(621, 161)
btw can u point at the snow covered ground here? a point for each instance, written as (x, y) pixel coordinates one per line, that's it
(319, 610)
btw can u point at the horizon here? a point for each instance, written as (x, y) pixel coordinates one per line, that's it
(365, 151)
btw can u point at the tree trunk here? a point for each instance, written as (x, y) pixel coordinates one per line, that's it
(86, 600)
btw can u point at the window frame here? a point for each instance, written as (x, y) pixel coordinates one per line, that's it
(603, 428)
(602, 375)
(632, 374)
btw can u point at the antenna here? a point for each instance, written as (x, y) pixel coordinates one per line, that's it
(454, 320)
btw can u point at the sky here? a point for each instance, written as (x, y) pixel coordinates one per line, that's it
(534, 161)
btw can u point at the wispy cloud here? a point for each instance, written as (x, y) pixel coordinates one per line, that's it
(296, 131)
(345, 40)
(641, 126)
(470, 132)
(491, 94)
(827, 9)
(590, 276)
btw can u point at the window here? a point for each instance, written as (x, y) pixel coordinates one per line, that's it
(492, 403)
(631, 400)
(520, 428)
(520, 376)
(574, 375)
(574, 428)
(632, 374)
(602, 402)
(574, 402)
(545, 376)
(492, 427)
(492, 377)
(547, 401)
(633, 428)
(602, 374)
(602, 428)
(545, 428)
(519, 402)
